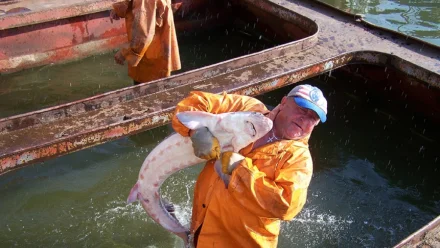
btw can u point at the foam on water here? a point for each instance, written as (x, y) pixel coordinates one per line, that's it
(314, 225)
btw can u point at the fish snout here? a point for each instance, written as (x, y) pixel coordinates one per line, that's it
(263, 126)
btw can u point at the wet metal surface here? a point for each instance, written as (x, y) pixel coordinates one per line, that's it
(341, 40)
(426, 237)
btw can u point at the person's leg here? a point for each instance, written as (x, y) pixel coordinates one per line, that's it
(149, 70)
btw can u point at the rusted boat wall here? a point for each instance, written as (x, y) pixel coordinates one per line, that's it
(57, 41)
(274, 27)
(58, 34)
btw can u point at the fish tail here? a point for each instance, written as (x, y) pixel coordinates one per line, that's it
(133, 196)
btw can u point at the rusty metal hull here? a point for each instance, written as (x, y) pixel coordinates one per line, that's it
(58, 34)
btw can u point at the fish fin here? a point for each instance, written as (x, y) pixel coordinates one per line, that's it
(133, 196)
(194, 119)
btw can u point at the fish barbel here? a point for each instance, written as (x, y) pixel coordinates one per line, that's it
(234, 131)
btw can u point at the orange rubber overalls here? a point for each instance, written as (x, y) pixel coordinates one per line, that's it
(153, 51)
(261, 193)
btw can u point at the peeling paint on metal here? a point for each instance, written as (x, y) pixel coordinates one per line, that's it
(160, 119)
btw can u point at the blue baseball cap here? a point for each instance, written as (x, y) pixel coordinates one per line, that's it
(310, 97)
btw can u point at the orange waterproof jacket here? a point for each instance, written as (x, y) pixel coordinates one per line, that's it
(153, 51)
(260, 194)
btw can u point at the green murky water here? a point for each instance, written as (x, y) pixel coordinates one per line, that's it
(420, 19)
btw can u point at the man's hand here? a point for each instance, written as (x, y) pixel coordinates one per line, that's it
(113, 16)
(119, 58)
(205, 145)
(226, 164)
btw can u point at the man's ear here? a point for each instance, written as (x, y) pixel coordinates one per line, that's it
(283, 101)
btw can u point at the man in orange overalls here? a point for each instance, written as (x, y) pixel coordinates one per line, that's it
(267, 187)
(153, 51)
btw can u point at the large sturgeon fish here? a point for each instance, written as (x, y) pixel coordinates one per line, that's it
(234, 131)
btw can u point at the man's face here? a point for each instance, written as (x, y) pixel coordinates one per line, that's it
(294, 122)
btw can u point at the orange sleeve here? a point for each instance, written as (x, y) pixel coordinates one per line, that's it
(282, 197)
(121, 8)
(216, 104)
(143, 30)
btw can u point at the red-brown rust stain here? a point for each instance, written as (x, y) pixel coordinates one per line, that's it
(60, 55)
(8, 163)
(111, 32)
(62, 148)
(114, 133)
(83, 34)
(101, 27)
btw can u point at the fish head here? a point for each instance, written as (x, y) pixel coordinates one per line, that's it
(234, 130)
(245, 127)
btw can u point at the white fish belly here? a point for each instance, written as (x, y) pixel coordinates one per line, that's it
(171, 155)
